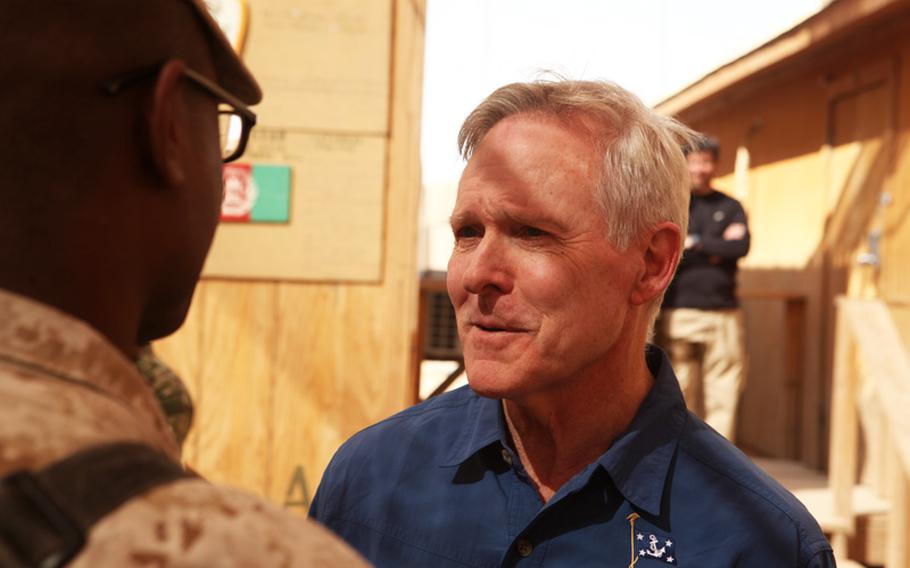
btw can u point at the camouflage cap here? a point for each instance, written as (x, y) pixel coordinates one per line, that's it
(233, 75)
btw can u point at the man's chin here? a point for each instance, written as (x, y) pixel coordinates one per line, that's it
(489, 382)
(482, 391)
(162, 323)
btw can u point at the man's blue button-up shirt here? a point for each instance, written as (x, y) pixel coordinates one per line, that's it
(438, 485)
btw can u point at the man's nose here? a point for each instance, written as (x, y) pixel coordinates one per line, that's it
(488, 269)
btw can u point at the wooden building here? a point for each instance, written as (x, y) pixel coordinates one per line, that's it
(302, 329)
(814, 129)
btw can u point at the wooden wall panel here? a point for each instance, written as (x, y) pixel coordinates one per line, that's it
(764, 416)
(895, 274)
(237, 383)
(324, 64)
(309, 415)
(337, 202)
(325, 72)
(785, 193)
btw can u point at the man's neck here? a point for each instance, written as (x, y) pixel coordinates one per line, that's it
(702, 191)
(561, 433)
(108, 310)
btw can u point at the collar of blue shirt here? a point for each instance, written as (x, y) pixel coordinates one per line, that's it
(639, 459)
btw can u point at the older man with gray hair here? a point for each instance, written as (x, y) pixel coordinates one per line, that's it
(572, 445)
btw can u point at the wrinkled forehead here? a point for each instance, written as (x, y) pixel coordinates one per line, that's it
(534, 142)
(534, 154)
(530, 164)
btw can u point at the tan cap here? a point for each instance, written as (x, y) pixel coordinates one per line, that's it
(232, 73)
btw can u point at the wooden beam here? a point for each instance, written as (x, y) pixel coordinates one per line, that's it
(844, 435)
(795, 367)
(885, 362)
(897, 554)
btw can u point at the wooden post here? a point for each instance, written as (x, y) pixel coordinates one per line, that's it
(887, 368)
(844, 423)
(795, 352)
(897, 554)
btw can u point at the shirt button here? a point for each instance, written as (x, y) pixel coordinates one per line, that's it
(506, 456)
(524, 548)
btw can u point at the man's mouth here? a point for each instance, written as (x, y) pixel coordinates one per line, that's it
(493, 328)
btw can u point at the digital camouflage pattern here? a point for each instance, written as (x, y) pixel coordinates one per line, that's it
(63, 387)
(170, 391)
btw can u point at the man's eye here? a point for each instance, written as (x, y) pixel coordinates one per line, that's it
(534, 232)
(466, 232)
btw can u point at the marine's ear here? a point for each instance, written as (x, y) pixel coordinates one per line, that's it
(660, 253)
(165, 123)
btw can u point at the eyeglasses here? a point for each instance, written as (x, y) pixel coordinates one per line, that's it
(235, 119)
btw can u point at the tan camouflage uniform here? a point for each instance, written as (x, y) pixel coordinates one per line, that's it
(64, 387)
(170, 391)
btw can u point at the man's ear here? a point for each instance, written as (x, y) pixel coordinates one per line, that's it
(166, 141)
(661, 255)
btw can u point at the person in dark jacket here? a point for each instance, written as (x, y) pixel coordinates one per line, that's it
(701, 325)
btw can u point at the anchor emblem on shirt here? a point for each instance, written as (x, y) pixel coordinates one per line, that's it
(649, 549)
(654, 551)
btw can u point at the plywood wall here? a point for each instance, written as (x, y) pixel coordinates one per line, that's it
(325, 68)
(284, 370)
(824, 139)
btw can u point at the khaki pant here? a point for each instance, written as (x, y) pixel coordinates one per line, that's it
(706, 348)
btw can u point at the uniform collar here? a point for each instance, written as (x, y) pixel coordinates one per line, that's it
(639, 460)
(483, 427)
(40, 338)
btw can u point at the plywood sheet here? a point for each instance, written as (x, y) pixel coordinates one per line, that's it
(325, 69)
(335, 229)
(310, 418)
(186, 358)
(235, 401)
(323, 64)
(895, 267)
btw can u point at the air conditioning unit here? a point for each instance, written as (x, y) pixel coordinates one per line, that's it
(437, 328)
(440, 338)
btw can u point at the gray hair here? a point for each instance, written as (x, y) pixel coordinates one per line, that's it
(644, 180)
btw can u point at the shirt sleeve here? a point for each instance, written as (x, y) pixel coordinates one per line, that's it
(823, 559)
(329, 497)
(317, 505)
(729, 249)
(314, 505)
